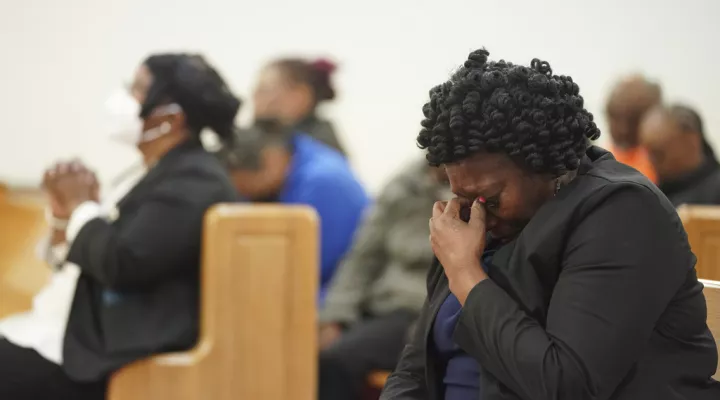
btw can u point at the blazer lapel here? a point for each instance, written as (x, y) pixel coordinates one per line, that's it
(508, 271)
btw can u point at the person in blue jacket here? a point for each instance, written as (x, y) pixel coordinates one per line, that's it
(268, 163)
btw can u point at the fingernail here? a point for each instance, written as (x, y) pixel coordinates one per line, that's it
(480, 200)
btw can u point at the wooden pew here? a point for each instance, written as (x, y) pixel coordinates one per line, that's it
(22, 273)
(712, 297)
(258, 315)
(702, 224)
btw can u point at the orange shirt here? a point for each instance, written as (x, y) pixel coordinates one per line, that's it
(637, 158)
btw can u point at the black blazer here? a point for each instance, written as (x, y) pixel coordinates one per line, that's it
(597, 298)
(701, 186)
(138, 291)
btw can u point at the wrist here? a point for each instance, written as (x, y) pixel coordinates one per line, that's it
(56, 221)
(463, 280)
(73, 205)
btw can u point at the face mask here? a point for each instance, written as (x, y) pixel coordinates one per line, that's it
(126, 126)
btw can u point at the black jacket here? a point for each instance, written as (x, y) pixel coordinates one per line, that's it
(138, 291)
(596, 299)
(701, 186)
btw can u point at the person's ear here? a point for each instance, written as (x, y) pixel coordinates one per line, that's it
(695, 141)
(275, 162)
(303, 95)
(178, 122)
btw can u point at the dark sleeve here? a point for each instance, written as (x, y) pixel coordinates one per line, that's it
(161, 239)
(621, 268)
(407, 382)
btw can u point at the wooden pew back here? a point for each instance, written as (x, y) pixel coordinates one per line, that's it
(702, 224)
(259, 326)
(22, 272)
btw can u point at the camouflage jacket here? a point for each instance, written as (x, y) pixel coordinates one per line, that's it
(386, 268)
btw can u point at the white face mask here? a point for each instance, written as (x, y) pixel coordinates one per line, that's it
(125, 124)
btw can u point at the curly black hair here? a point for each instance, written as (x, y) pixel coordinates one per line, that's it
(527, 113)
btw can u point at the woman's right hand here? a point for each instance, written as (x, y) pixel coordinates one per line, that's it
(58, 207)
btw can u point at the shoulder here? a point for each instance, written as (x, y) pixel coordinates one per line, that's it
(631, 218)
(607, 200)
(319, 128)
(197, 176)
(330, 187)
(609, 183)
(328, 168)
(630, 231)
(621, 195)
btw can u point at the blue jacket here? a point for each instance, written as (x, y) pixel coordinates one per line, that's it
(321, 177)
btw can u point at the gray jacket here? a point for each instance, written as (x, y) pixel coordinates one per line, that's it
(386, 269)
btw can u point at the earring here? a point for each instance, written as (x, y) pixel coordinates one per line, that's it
(557, 186)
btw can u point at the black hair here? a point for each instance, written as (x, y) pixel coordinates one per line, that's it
(690, 121)
(528, 113)
(316, 74)
(244, 153)
(192, 83)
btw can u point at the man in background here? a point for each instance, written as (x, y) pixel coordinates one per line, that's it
(629, 100)
(687, 169)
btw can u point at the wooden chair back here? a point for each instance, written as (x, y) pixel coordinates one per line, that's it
(702, 224)
(258, 314)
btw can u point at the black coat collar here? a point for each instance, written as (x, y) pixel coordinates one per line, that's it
(690, 179)
(159, 170)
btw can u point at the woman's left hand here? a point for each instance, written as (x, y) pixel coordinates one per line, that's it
(459, 245)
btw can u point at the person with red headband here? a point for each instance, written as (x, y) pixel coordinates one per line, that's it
(289, 91)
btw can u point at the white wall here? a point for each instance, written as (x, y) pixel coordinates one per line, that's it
(61, 58)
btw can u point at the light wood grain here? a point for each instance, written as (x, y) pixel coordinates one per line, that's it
(259, 326)
(702, 224)
(22, 273)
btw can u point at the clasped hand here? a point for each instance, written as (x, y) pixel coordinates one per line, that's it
(457, 244)
(69, 184)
